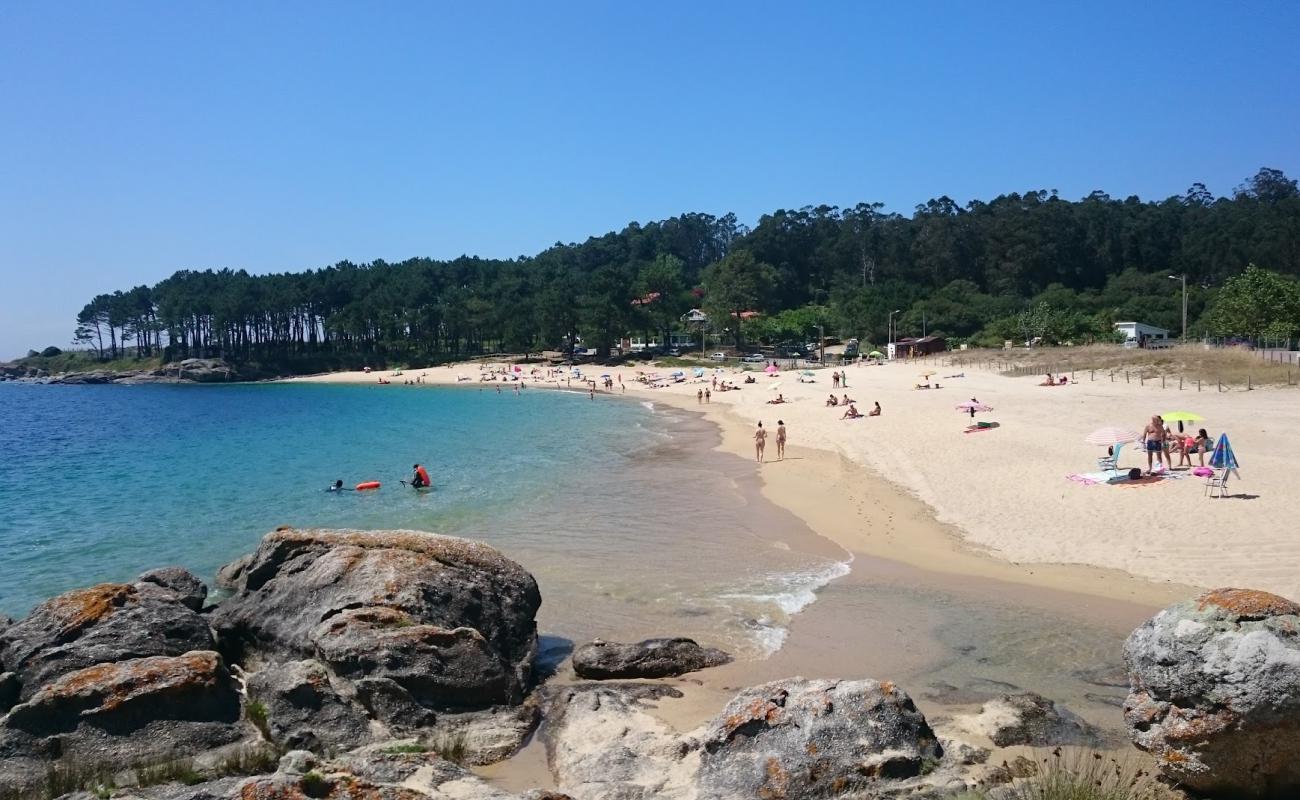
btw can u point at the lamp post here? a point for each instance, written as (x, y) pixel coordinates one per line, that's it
(1183, 278)
(891, 324)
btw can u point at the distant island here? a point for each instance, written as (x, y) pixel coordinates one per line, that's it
(1023, 267)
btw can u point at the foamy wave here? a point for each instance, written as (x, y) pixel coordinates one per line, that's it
(648, 405)
(796, 591)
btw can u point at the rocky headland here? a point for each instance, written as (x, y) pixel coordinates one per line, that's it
(349, 664)
(189, 370)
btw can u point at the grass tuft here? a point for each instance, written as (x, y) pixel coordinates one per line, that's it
(1084, 775)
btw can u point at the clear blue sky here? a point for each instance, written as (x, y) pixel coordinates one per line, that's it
(140, 138)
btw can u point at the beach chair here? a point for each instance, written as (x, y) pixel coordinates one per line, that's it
(1217, 481)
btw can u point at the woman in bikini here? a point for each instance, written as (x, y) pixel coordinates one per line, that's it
(760, 441)
(780, 440)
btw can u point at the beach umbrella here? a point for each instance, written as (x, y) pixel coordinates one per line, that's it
(807, 373)
(771, 369)
(875, 354)
(1111, 436)
(926, 374)
(699, 372)
(1181, 416)
(1223, 457)
(677, 373)
(969, 406)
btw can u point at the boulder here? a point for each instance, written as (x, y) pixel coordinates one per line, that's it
(200, 370)
(188, 588)
(448, 621)
(131, 712)
(301, 709)
(603, 743)
(652, 658)
(816, 738)
(1029, 719)
(1215, 693)
(102, 624)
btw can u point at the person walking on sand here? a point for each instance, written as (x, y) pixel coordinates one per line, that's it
(699, 396)
(708, 396)
(835, 380)
(760, 442)
(780, 440)
(1154, 436)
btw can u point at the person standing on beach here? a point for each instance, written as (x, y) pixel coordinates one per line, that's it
(835, 380)
(699, 396)
(1154, 434)
(708, 396)
(780, 440)
(760, 442)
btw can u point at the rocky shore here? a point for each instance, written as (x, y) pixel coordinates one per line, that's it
(349, 664)
(190, 370)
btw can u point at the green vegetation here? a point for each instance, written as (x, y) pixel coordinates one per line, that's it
(1081, 776)
(1018, 267)
(315, 784)
(257, 714)
(450, 747)
(180, 770)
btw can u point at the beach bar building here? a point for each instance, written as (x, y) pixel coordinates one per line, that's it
(908, 347)
(1140, 333)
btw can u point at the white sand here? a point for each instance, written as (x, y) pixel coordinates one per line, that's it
(1006, 490)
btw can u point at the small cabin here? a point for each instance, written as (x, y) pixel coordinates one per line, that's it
(911, 348)
(1140, 333)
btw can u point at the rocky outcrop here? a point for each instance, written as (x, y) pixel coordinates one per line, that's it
(102, 624)
(652, 658)
(117, 714)
(787, 739)
(1029, 719)
(189, 370)
(1215, 693)
(445, 622)
(300, 709)
(199, 370)
(183, 583)
(798, 738)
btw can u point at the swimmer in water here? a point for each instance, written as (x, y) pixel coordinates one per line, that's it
(337, 487)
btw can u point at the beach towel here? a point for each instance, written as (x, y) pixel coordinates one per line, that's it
(1094, 478)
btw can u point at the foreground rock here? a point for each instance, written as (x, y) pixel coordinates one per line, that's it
(129, 712)
(1031, 720)
(787, 739)
(1216, 693)
(652, 658)
(102, 624)
(444, 622)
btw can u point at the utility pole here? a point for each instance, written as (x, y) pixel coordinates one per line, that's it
(1183, 278)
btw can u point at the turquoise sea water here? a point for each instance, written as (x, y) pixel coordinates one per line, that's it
(631, 524)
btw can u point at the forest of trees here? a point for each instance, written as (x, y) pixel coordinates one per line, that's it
(1016, 267)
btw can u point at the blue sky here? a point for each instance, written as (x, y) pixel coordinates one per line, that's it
(141, 138)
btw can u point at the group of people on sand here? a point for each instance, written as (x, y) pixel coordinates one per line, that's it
(1059, 380)
(839, 379)
(1161, 443)
(760, 441)
(852, 411)
(703, 395)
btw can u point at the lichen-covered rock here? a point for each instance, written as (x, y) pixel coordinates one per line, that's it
(816, 738)
(652, 658)
(603, 743)
(188, 588)
(303, 709)
(1029, 719)
(101, 624)
(1215, 693)
(450, 621)
(117, 714)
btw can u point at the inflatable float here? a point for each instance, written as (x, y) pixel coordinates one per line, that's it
(361, 487)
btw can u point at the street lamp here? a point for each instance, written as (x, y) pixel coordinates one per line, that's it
(1183, 278)
(891, 324)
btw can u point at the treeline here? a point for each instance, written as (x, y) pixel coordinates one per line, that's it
(1018, 266)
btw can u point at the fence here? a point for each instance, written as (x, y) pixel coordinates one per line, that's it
(1141, 377)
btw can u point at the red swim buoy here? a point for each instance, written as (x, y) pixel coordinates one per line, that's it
(361, 487)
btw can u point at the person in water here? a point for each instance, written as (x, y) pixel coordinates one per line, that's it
(337, 487)
(420, 478)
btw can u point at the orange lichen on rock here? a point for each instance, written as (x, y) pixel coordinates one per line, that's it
(1249, 603)
(82, 608)
(444, 549)
(106, 687)
(777, 782)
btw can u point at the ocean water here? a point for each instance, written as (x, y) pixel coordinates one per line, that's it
(631, 523)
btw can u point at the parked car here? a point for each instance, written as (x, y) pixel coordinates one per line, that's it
(674, 351)
(754, 358)
(718, 356)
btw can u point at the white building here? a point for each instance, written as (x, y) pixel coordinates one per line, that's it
(1140, 332)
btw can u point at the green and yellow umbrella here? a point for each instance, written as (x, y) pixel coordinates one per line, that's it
(1181, 416)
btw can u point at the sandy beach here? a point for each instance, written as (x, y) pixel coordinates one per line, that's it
(1005, 506)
